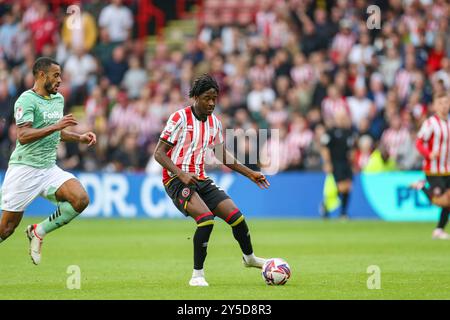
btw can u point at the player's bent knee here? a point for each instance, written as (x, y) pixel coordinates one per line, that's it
(205, 219)
(6, 231)
(81, 203)
(234, 217)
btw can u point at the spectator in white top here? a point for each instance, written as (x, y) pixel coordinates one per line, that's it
(360, 106)
(135, 78)
(390, 64)
(443, 74)
(362, 52)
(258, 96)
(118, 19)
(79, 67)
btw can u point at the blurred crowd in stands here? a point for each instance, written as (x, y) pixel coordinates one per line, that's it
(289, 65)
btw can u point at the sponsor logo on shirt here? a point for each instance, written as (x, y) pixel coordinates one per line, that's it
(52, 115)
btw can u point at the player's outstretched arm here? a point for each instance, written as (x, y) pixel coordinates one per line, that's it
(228, 159)
(27, 134)
(161, 150)
(88, 138)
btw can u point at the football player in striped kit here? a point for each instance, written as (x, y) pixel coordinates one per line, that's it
(433, 142)
(181, 151)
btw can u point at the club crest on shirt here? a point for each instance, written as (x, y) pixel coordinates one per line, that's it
(19, 113)
(437, 191)
(185, 192)
(170, 126)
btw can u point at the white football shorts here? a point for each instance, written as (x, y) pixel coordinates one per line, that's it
(23, 184)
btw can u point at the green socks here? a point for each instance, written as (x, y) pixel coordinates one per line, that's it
(63, 215)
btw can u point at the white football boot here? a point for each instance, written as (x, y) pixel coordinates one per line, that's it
(253, 261)
(198, 282)
(440, 234)
(198, 279)
(35, 244)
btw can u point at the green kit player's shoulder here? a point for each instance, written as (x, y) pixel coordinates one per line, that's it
(26, 96)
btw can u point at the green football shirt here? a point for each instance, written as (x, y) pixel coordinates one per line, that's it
(41, 112)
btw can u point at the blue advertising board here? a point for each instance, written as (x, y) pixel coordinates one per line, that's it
(291, 195)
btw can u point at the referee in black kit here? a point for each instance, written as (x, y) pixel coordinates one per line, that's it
(337, 152)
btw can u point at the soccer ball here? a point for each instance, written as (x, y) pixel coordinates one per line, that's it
(276, 271)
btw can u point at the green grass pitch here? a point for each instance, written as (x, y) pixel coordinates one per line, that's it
(152, 259)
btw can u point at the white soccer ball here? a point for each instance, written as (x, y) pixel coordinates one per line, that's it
(276, 271)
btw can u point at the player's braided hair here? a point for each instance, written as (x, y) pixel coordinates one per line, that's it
(203, 84)
(42, 64)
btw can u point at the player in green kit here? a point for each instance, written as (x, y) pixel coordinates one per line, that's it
(32, 171)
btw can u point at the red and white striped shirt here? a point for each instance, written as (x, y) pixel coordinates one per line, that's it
(190, 138)
(332, 106)
(434, 136)
(403, 80)
(264, 75)
(343, 43)
(395, 140)
(304, 74)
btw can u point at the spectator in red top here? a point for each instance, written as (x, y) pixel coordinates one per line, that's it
(435, 56)
(44, 30)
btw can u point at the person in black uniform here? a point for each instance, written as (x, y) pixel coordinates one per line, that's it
(337, 152)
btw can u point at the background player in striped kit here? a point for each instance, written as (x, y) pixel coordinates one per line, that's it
(433, 142)
(181, 151)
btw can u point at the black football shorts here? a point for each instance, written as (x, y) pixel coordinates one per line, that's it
(206, 189)
(438, 184)
(342, 171)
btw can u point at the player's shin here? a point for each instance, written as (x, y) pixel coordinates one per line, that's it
(240, 231)
(443, 220)
(205, 224)
(344, 196)
(63, 215)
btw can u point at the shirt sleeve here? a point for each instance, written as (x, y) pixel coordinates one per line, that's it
(218, 136)
(172, 129)
(425, 131)
(23, 111)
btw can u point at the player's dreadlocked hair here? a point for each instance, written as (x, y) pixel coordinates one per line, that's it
(42, 64)
(203, 84)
